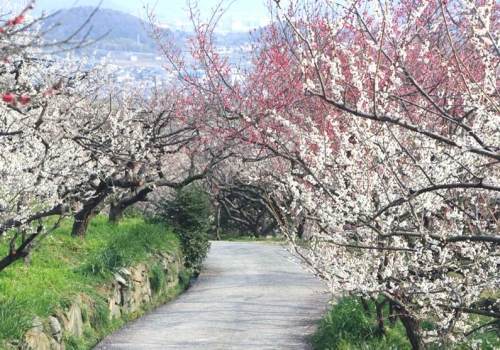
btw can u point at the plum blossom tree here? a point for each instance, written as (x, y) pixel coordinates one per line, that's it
(368, 129)
(46, 168)
(377, 124)
(70, 137)
(402, 196)
(36, 159)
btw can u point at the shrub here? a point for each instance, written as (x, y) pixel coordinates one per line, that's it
(157, 278)
(348, 326)
(100, 315)
(346, 321)
(73, 343)
(134, 212)
(184, 278)
(189, 212)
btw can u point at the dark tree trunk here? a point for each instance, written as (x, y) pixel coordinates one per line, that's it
(255, 229)
(379, 308)
(392, 314)
(82, 221)
(365, 305)
(255, 226)
(89, 210)
(23, 250)
(117, 209)
(301, 228)
(10, 259)
(267, 229)
(20, 252)
(412, 328)
(217, 229)
(116, 212)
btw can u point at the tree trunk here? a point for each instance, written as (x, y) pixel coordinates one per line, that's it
(117, 209)
(10, 259)
(413, 331)
(116, 212)
(217, 229)
(255, 229)
(392, 314)
(379, 308)
(89, 210)
(20, 252)
(301, 228)
(365, 305)
(82, 221)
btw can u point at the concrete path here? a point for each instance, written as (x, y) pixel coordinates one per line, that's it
(250, 296)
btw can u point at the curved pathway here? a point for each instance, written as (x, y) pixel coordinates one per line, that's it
(249, 296)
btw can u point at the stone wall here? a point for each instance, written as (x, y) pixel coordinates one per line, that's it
(128, 295)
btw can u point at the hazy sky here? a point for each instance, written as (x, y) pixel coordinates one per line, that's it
(242, 14)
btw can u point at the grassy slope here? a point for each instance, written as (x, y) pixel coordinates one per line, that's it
(63, 267)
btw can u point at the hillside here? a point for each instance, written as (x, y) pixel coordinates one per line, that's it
(113, 30)
(118, 31)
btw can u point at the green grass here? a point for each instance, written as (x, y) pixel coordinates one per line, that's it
(347, 326)
(158, 279)
(63, 267)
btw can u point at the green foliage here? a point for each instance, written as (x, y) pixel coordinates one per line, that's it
(184, 278)
(347, 326)
(108, 259)
(100, 316)
(133, 212)
(157, 278)
(189, 212)
(14, 318)
(195, 247)
(73, 343)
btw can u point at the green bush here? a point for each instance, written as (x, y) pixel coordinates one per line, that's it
(347, 326)
(346, 321)
(100, 315)
(190, 212)
(184, 278)
(157, 278)
(73, 343)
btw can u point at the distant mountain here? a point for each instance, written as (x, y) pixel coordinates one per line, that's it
(118, 31)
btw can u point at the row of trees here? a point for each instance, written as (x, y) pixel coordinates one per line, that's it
(371, 127)
(74, 140)
(368, 130)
